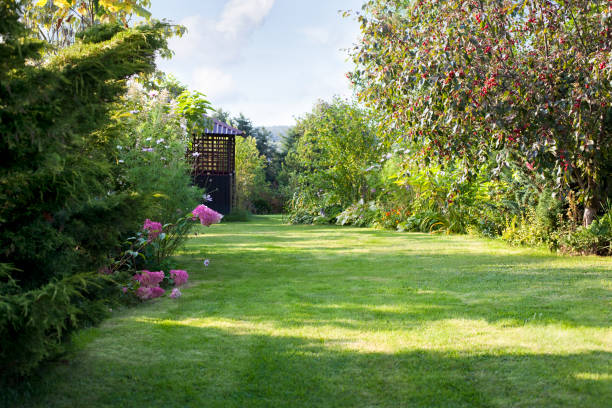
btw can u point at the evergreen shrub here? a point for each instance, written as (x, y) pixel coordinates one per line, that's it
(62, 216)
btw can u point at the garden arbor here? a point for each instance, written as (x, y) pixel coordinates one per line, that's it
(213, 163)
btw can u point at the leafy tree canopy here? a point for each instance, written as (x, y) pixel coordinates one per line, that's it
(59, 21)
(524, 82)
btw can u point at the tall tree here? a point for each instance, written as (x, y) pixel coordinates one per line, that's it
(262, 136)
(523, 81)
(223, 116)
(335, 146)
(243, 123)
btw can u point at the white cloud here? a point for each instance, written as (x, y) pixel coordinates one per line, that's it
(216, 83)
(186, 45)
(220, 40)
(242, 16)
(270, 60)
(214, 45)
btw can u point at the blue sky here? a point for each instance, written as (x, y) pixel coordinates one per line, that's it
(269, 59)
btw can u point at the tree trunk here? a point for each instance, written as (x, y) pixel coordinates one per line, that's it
(589, 215)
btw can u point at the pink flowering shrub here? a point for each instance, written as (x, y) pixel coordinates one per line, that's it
(179, 277)
(145, 293)
(157, 292)
(149, 284)
(153, 228)
(155, 248)
(149, 279)
(206, 215)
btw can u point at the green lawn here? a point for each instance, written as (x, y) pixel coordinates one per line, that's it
(324, 316)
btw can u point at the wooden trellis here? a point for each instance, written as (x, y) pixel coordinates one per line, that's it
(215, 154)
(213, 164)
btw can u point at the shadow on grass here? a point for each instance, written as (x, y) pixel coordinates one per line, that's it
(217, 368)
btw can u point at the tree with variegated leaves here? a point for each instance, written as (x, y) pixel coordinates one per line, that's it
(518, 81)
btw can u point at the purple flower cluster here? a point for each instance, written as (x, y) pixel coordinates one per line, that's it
(153, 228)
(206, 215)
(179, 277)
(176, 293)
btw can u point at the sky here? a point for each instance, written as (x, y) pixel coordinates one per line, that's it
(269, 59)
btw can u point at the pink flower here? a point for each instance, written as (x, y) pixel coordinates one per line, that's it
(176, 293)
(149, 279)
(153, 228)
(124, 289)
(157, 292)
(206, 215)
(180, 277)
(143, 293)
(149, 284)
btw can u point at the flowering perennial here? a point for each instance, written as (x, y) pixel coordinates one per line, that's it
(146, 284)
(149, 279)
(145, 293)
(176, 293)
(149, 284)
(179, 277)
(153, 228)
(206, 215)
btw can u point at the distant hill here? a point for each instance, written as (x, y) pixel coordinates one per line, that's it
(277, 133)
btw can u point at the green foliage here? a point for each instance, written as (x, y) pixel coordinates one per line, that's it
(538, 226)
(193, 106)
(61, 21)
(361, 214)
(150, 156)
(426, 221)
(62, 215)
(525, 83)
(415, 196)
(99, 33)
(34, 323)
(154, 253)
(250, 173)
(327, 166)
(594, 239)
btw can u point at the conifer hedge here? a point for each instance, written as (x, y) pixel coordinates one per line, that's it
(61, 213)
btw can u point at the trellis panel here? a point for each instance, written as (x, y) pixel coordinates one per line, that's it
(213, 154)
